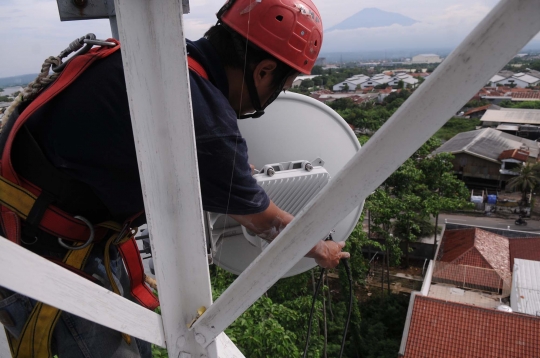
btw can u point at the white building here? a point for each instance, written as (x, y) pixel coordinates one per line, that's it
(426, 58)
(351, 83)
(405, 78)
(299, 79)
(521, 80)
(376, 81)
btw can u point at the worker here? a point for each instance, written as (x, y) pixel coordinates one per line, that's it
(73, 149)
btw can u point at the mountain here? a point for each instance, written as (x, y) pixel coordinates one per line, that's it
(17, 80)
(372, 17)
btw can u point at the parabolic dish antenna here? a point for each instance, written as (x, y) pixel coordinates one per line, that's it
(295, 131)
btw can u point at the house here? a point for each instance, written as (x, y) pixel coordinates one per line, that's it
(351, 83)
(445, 329)
(463, 312)
(521, 80)
(493, 81)
(510, 116)
(480, 111)
(407, 80)
(525, 96)
(376, 80)
(477, 156)
(426, 58)
(298, 80)
(469, 249)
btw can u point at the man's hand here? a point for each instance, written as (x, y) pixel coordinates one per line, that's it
(269, 223)
(328, 253)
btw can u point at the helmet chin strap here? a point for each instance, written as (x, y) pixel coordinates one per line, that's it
(254, 96)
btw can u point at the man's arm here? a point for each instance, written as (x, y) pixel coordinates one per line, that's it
(269, 223)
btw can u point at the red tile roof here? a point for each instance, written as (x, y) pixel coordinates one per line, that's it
(524, 248)
(532, 95)
(477, 248)
(451, 330)
(455, 243)
(477, 109)
(516, 154)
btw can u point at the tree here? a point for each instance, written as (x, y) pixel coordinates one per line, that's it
(400, 84)
(307, 84)
(345, 87)
(317, 70)
(526, 181)
(422, 187)
(535, 65)
(317, 81)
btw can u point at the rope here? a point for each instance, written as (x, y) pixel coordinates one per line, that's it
(33, 88)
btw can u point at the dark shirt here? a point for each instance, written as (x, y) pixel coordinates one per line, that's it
(86, 132)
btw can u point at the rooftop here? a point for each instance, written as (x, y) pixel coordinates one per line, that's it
(487, 143)
(453, 330)
(448, 292)
(526, 78)
(526, 287)
(512, 115)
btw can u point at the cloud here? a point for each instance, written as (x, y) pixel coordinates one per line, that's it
(30, 30)
(445, 28)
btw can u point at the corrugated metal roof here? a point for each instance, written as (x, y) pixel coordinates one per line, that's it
(487, 143)
(527, 284)
(512, 115)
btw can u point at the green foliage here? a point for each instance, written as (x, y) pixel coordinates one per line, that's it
(368, 115)
(363, 139)
(535, 65)
(527, 180)
(382, 324)
(523, 105)
(267, 329)
(317, 70)
(455, 126)
(307, 84)
(5, 99)
(422, 187)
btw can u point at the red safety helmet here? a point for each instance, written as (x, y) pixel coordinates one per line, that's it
(289, 30)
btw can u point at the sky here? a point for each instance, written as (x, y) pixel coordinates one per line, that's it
(30, 30)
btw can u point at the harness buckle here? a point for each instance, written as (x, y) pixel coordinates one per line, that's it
(87, 243)
(123, 233)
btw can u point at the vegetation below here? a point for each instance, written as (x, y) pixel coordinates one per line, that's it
(455, 126)
(522, 105)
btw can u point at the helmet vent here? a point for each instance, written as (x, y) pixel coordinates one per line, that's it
(279, 18)
(315, 43)
(305, 62)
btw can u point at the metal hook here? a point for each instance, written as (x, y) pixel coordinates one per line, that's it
(88, 41)
(87, 243)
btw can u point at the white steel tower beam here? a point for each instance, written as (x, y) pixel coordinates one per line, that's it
(154, 57)
(498, 37)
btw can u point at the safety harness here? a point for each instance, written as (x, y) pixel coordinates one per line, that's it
(29, 202)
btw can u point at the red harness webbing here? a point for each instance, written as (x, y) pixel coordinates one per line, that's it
(56, 221)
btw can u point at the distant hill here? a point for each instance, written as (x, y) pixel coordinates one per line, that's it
(373, 17)
(17, 80)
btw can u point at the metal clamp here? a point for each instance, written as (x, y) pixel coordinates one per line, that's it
(87, 41)
(87, 243)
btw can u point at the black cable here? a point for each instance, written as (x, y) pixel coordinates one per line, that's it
(310, 322)
(345, 263)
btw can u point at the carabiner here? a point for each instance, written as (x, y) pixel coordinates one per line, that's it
(87, 243)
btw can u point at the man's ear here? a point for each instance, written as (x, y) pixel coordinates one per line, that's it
(264, 72)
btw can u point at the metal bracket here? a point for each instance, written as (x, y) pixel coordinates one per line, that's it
(71, 10)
